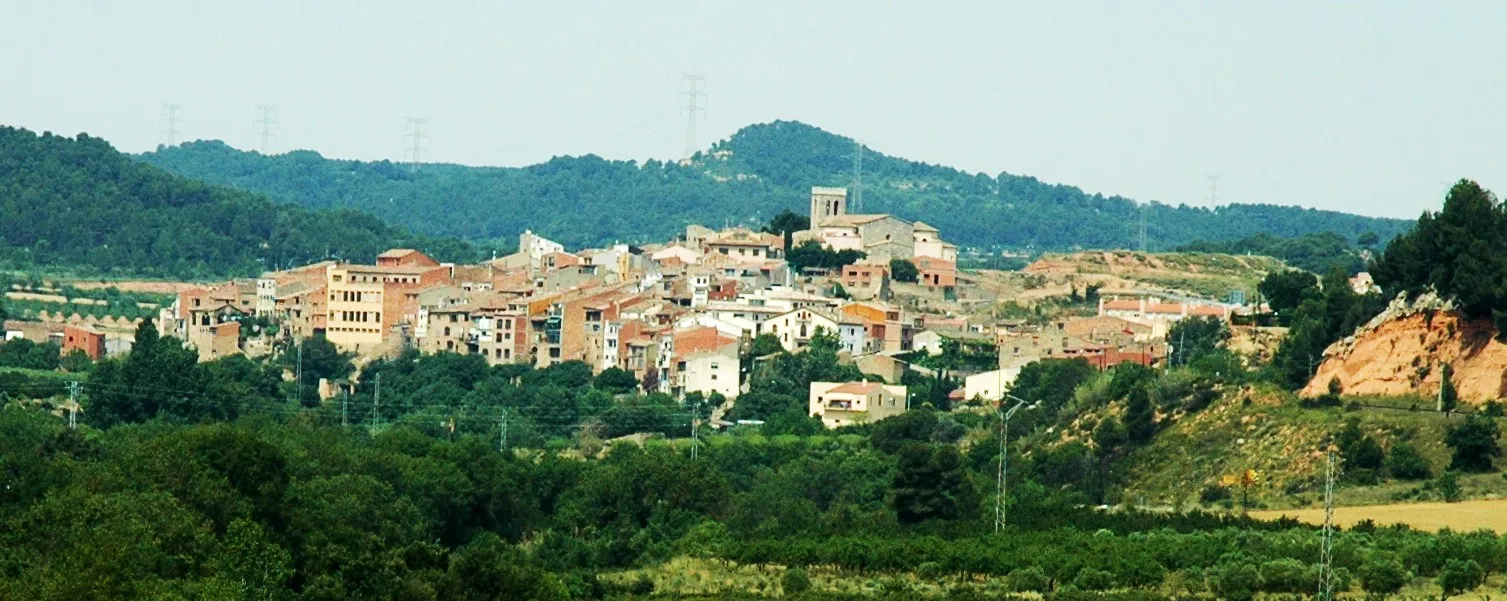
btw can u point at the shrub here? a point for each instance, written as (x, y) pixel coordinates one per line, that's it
(1459, 576)
(929, 570)
(1090, 579)
(1404, 463)
(1383, 575)
(795, 581)
(1031, 580)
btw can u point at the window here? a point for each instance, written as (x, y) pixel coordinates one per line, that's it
(507, 353)
(499, 338)
(507, 325)
(507, 336)
(447, 330)
(714, 376)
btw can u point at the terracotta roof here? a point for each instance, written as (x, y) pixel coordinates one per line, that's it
(1122, 305)
(856, 388)
(921, 226)
(701, 340)
(396, 253)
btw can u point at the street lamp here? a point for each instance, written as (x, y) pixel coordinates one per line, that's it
(1004, 437)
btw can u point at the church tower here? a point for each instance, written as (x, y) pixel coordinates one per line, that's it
(827, 203)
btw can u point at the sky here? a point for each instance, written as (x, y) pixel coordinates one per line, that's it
(1370, 107)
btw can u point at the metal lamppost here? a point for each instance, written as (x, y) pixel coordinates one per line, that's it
(1004, 437)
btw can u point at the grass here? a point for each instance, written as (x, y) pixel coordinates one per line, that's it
(1282, 441)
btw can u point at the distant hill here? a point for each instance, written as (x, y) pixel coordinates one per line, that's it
(77, 203)
(759, 171)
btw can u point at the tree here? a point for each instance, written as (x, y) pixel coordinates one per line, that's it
(1459, 576)
(76, 361)
(1193, 337)
(1382, 575)
(1473, 444)
(1140, 416)
(1285, 290)
(1448, 485)
(1237, 581)
(321, 361)
(786, 224)
(902, 270)
(616, 381)
(766, 344)
(1368, 240)
(1404, 463)
(1448, 396)
(931, 483)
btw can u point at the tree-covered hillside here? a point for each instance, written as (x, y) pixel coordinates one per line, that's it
(758, 172)
(80, 204)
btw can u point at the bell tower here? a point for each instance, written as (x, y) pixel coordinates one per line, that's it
(827, 203)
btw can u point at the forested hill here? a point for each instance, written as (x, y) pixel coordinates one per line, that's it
(758, 172)
(80, 204)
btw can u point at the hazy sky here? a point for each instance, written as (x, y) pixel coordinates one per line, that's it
(1368, 107)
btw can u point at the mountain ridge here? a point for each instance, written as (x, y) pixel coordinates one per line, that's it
(747, 178)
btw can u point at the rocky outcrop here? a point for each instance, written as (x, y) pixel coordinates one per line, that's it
(1402, 350)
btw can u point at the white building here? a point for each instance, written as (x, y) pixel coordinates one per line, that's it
(991, 385)
(847, 403)
(796, 328)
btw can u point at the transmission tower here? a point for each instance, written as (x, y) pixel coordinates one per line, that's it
(416, 134)
(1326, 550)
(1144, 209)
(171, 117)
(1213, 189)
(693, 109)
(856, 204)
(264, 125)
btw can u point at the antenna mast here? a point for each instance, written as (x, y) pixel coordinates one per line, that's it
(856, 206)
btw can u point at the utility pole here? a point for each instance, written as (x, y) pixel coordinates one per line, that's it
(693, 109)
(1326, 549)
(693, 437)
(172, 111)
(264, 125)
(73, 405)
(376, 402)
(502, 438)
(856, 206)
(345, 399)
(298, 375)
(416, 133)
(1004, 466)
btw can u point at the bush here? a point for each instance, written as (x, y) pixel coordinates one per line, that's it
(1235, 581)
(1448, 486)
(1383, 575)
(1214, 493)
(929, 570)
(1460, 576)
(1029, 580)
(795, 581)
(1404, 463)
(1090, 579)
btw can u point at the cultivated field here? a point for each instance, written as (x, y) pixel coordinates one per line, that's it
(1462, 516)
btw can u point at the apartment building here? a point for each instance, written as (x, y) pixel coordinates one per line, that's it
(367, 301)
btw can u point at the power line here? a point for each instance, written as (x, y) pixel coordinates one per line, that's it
(693, 95)
(1326, 549)
(172, 117)
(416, 133)
(264, 125)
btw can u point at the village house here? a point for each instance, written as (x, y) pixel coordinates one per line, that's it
(796, 327)
(840, 404)
(1146, 309)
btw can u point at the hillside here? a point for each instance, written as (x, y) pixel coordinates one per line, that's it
(78, 204)
(1208, 275)
(759, 171)
(1401, 353)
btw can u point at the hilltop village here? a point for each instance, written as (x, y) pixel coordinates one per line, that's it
(677, 316)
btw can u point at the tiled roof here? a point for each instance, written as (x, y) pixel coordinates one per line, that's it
(856, 388)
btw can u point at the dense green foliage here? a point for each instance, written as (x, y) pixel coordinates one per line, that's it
(1460, 252)
(77, 203)
(1317, 252)
(1323, 316)
(758, 172)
